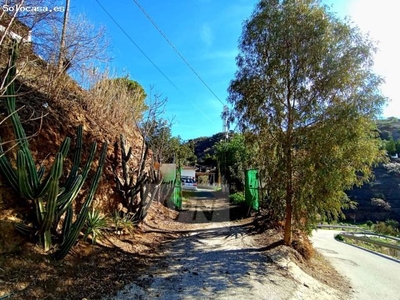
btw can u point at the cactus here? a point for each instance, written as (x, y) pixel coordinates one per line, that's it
(136, 195)
(72, 230)
(51, 198)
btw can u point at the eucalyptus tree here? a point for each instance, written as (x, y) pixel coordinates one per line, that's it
(232, 157)
(306, 94)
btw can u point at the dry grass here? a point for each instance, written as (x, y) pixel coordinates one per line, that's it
(88, 271)
(110, 99)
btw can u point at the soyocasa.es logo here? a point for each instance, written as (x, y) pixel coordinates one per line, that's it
(33, 9)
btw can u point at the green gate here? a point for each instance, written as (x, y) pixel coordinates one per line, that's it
(176, 197)
(251, 188)
(173, 176)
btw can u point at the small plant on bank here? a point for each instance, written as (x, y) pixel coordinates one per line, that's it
(369, 223)
(237, 198)
(389, 227)
(122, 222)
(95, 225)
(339, 238)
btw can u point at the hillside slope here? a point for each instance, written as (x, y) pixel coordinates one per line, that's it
(385, 186)
(389, 127)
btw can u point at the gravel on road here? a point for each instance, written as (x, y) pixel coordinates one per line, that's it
(223, 259)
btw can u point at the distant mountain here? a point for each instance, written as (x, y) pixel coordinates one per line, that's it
(389, 127)
(378, 200)
(203, 147)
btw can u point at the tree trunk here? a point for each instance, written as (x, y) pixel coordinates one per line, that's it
(287, 238)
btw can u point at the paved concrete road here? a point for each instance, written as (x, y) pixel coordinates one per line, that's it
(372, 276)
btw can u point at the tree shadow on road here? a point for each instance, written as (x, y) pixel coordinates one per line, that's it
(211, 263)
(206, 207)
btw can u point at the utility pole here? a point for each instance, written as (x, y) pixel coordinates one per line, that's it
(225, 121)
(61, 55)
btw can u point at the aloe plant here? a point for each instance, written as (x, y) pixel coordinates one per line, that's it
(52, 198)
(95, 225)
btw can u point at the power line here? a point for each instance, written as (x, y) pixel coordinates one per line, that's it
(137, 46)
(176, 50)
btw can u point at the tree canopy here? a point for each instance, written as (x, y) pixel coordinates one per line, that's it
(232, 157)
(167, 148)
(306, 97)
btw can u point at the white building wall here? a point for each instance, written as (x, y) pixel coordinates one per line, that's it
(188, 173)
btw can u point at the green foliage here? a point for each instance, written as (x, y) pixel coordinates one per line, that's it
(51, 197)
(386, 135)
(389, 128)
(95, 225)
(123, 222)
(393, 223)
(204, 148)
(237, 198)
(165, 147)
(232, 157)
(186, 154)
(390, 146)
(339, 237)
(306, 97)
(159, 138)
(132, 86)
(369, 223)
(387, 228)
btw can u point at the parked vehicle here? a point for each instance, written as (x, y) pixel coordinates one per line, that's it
(188, 184)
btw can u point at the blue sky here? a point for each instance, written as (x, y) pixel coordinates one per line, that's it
(206, 33)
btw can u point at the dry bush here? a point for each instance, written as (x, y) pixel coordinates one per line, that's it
(112, 100)
(381, 203)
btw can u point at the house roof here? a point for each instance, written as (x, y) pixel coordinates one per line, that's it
(188, 168)
(18, 30)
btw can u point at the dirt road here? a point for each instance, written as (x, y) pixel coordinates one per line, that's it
(220, 257)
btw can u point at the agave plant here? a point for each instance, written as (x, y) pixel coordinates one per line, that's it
(95, 225)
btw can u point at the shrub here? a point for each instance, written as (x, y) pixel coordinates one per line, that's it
(122, 221)
(203, 179)
(237, 198)
(393, 223)
(339, 238)
(369, 223)
(385, 229)
(95, 225)
(381, 203)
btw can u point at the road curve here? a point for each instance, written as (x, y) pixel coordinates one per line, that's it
(372, 276)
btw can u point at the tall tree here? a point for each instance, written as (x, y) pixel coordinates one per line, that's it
(232, 157)
(305, 92)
